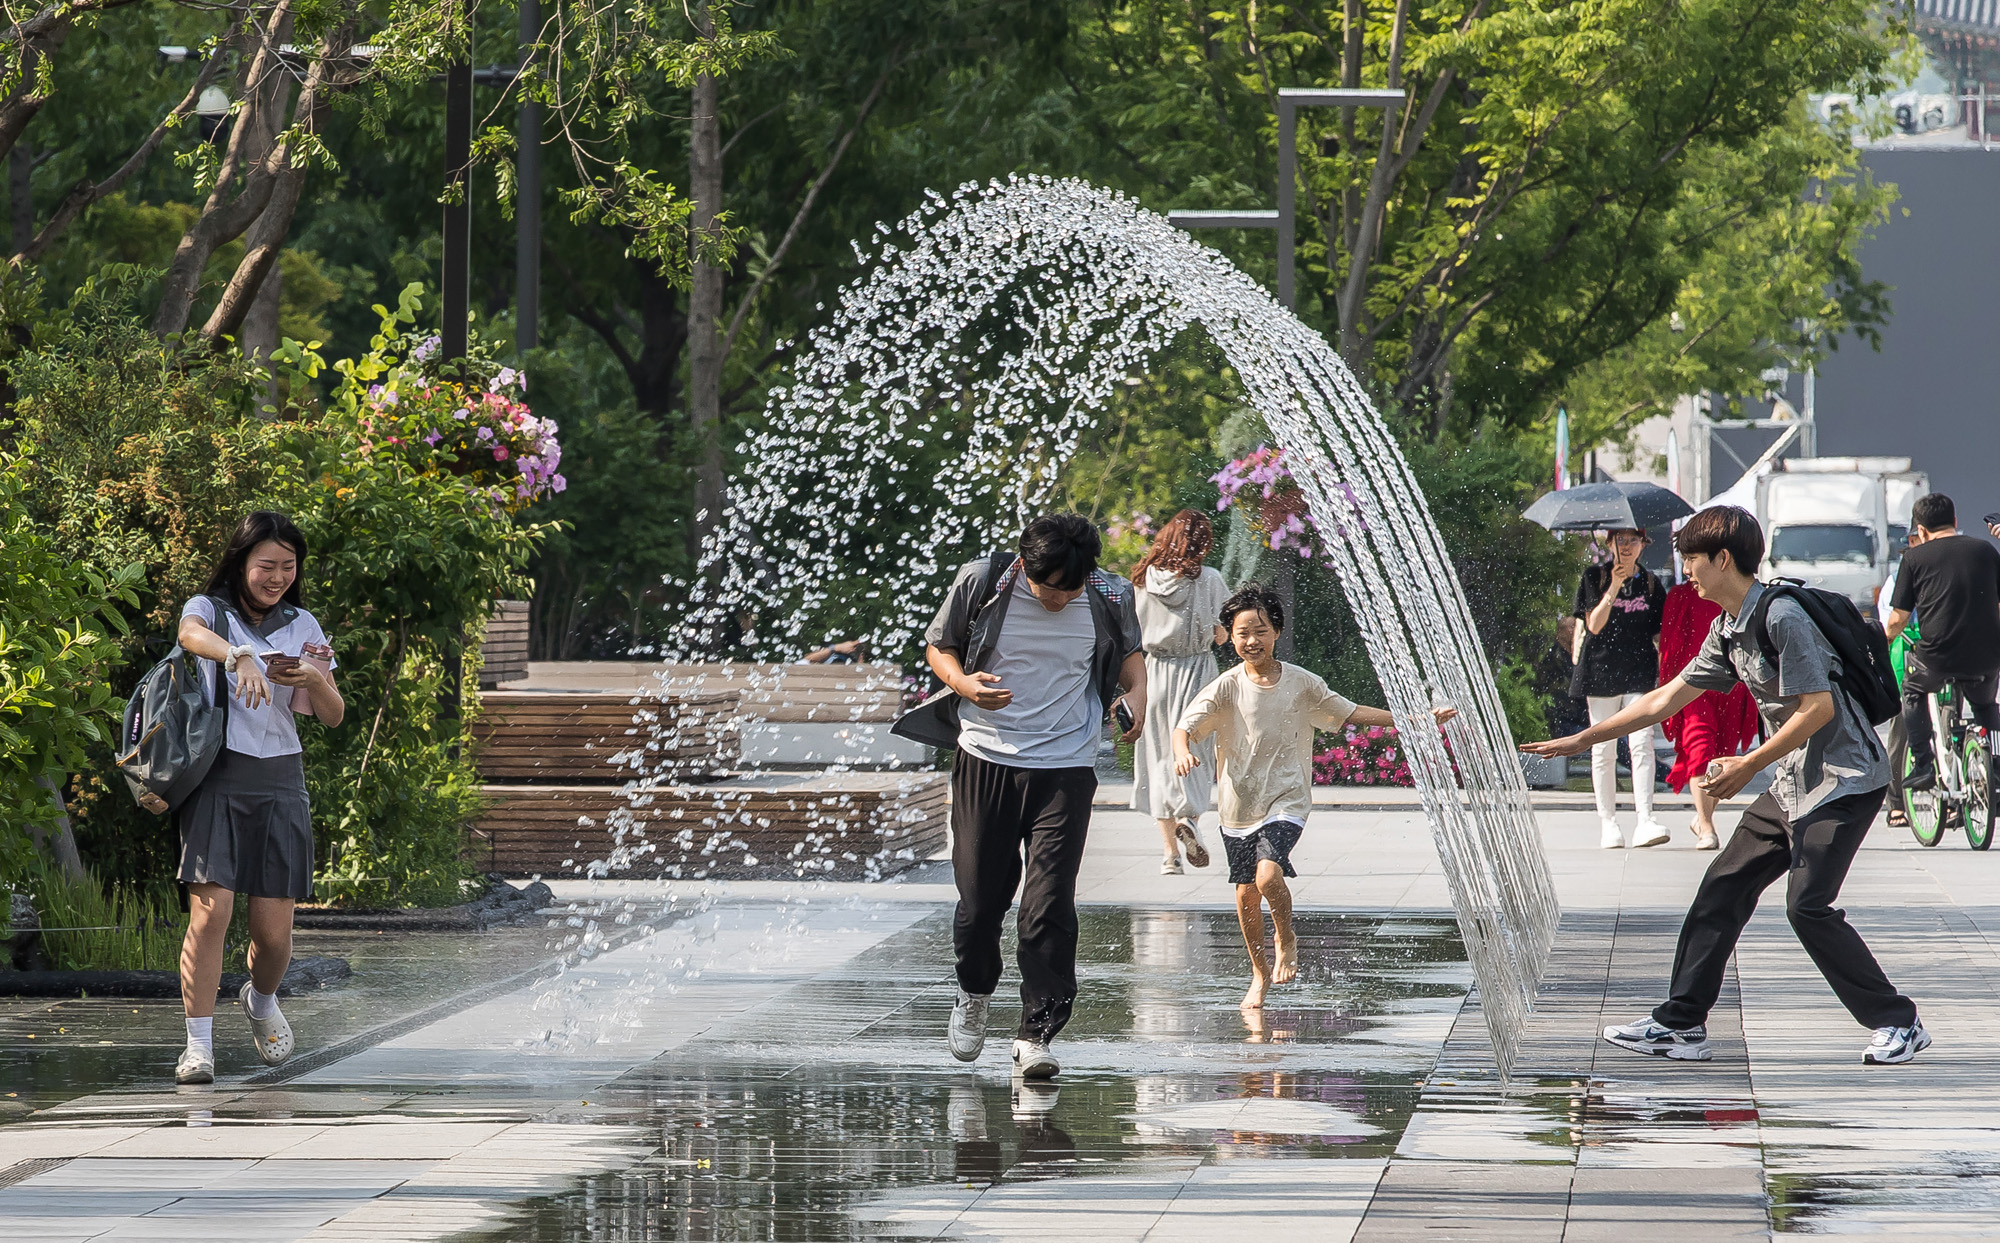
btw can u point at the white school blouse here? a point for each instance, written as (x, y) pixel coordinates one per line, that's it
(269, 729)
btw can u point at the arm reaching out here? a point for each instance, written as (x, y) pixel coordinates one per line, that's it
(1651, 708)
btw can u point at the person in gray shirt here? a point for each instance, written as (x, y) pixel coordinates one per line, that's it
(1829, 776)
(1036, 654)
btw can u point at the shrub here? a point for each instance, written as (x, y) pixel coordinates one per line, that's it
(58, 618)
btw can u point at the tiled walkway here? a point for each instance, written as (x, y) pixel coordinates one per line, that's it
(768, 1064)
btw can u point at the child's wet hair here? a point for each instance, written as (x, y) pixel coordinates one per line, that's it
(1256, 598)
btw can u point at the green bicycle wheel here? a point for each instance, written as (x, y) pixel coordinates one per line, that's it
(1978, 810)
(1925, 810)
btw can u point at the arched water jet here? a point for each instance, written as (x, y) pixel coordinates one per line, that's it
(1006, 315)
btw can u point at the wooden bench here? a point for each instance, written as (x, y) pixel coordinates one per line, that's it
(840, 825)
(789, 716)
(616, 736)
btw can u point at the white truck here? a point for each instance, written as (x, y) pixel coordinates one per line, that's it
(1838, 522)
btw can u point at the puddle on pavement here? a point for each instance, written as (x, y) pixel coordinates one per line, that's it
(792, 1124)
(53, 1050)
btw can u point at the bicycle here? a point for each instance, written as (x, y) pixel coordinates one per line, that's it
(1963, 795)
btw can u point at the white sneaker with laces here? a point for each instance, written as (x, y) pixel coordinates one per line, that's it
(1612, 838)
(197, 1065)
(1649, 833)
(1196, 850)
(1032, 1060)
(1688, 1044)
(273, 1035)
(1171, 866)
(967, 1034)
(1896, 1044)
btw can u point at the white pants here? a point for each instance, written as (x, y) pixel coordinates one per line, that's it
(1604, 760)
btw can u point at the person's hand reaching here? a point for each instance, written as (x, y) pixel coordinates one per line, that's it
(1556, 748)
(1444, 714)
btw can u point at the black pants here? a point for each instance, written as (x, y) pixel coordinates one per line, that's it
(999, 815)
(1815, 853)
(1921, 680)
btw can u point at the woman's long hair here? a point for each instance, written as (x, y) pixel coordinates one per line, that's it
(257, 526)
(1180, 547)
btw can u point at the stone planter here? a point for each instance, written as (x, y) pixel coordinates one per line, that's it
(1545, 772)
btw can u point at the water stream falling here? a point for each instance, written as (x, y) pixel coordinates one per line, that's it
(935, 411)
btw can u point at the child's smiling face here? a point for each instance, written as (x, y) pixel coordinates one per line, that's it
(1253, 636)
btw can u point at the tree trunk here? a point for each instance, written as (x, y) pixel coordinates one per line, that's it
(64, 845)
(259, 265)
(260, 327)
(663, 326)
(223, 218)
(705, 304)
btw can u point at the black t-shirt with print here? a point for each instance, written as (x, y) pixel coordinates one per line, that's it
(1953, 587)
(1621, 659)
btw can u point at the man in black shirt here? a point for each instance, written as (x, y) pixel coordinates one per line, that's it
(1953, 583)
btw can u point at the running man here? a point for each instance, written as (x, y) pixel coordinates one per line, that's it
(1829, 779)
(1037, 663)
(1953, 583)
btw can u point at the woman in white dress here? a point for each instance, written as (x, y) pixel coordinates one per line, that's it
(1180, 608)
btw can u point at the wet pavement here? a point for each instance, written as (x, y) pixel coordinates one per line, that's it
(766, 1062)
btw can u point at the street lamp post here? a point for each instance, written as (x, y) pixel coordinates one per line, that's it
(1285, 218)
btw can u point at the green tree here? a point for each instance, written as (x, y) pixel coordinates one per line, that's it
(1555, 177)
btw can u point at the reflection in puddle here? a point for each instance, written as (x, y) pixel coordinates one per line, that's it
(762, 1137)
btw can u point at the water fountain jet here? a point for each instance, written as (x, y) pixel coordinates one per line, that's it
(1004, 316)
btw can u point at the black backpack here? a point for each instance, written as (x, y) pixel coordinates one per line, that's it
(1865, 672)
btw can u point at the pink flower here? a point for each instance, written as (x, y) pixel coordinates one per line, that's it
(500, 453)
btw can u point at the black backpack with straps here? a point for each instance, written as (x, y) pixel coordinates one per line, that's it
(1865, 672)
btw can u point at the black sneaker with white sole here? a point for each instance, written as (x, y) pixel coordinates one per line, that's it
(1896, 1044)
(1686, 1044)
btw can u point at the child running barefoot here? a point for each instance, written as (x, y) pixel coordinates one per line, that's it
(1262, 714)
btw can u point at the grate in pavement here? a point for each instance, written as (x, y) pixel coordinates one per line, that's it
(22, 1171)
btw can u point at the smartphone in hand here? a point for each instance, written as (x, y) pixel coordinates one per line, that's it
(1123, 715)
(278, 662)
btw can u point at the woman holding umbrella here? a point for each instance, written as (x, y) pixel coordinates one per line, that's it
(1620, 606)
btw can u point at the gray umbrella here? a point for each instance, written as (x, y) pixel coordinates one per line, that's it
(1608, 507)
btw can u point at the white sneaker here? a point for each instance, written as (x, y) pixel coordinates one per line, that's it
(273, 1035)
(1032, 1060)
(1196, 850)
(1612, 838)
(1171, 866)
(197, 1065)
(1896, 1044)
(1649, 833)
(967, 1034)
(1688, 1044)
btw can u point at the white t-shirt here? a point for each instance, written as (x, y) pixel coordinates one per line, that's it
(1263, 742)
(1044, 658)
(268, 729)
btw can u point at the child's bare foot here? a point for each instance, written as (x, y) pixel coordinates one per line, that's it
(1254, 999)
(1287, 967)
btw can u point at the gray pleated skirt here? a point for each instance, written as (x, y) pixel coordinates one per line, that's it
(248, 827)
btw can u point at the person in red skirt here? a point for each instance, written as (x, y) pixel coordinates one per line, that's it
(1712, 726)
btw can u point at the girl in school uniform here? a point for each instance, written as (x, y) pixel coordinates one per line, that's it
(248, 828)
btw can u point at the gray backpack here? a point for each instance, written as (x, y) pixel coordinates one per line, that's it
(172, 735)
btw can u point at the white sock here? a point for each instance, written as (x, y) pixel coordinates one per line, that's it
(262, 1005)
(201, 1032)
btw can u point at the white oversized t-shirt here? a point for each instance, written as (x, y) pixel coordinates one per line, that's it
(1263, 742)
(1043, 657)
(268, 729)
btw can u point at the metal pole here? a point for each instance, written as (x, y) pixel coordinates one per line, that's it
(1288, 189)
(528, 202)
(456, 293)
(1810, 436)
(457, 290)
